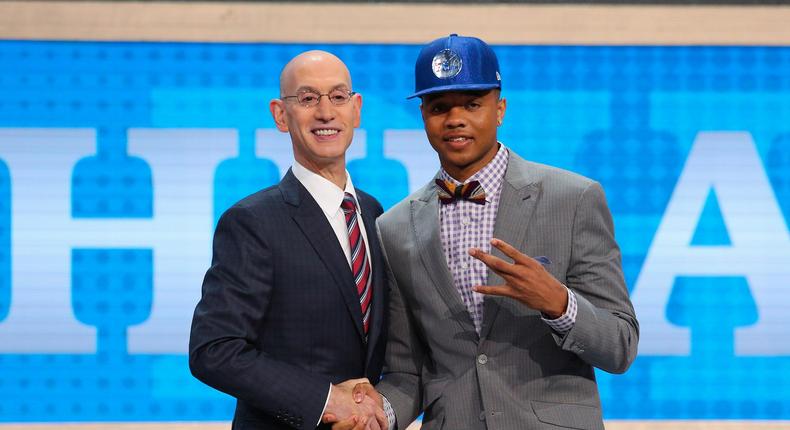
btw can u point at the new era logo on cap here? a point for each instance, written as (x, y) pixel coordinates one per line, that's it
(455, 63)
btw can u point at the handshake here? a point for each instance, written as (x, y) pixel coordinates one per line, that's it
(355, 405)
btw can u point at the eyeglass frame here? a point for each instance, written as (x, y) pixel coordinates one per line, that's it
(350, 93)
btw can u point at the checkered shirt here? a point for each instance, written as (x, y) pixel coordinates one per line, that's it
(465, 225)
(565, 323)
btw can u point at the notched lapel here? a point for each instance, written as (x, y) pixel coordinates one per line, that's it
(516, 206)
(425, 222)
(311, 220)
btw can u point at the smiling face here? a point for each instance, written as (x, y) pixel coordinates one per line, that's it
(320, 134)
(462, 128)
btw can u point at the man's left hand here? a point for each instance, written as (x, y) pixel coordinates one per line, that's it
(526, 280)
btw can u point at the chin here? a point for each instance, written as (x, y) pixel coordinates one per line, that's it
(331, 155)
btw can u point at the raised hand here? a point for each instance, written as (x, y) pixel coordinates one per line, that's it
(526, 280)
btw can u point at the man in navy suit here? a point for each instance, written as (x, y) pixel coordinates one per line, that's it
(292, 311)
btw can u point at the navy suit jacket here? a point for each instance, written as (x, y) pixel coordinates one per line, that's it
(279, 318)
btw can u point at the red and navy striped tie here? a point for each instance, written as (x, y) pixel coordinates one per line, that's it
(360, 267)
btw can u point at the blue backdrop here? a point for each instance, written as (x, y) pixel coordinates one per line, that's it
(117, 158)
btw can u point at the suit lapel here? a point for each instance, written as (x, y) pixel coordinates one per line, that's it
(311, 220)
(425, 222)
(520, 194)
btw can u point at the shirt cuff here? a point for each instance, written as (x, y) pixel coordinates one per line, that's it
(566, 321)
(390, 413)
(320, 417)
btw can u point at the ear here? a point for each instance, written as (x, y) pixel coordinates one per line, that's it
(357, 106)
(500, 111)
(277, 108)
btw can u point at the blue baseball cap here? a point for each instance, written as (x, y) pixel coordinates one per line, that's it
(455, 63)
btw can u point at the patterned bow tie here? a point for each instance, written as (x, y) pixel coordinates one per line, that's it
(471, 191)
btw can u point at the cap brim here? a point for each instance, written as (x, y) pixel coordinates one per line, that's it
(455, 87)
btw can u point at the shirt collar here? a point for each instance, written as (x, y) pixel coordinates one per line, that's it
(324, 192)
(490, 176)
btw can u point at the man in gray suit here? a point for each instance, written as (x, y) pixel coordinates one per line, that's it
(506, 281)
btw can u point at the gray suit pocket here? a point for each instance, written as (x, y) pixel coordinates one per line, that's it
(568, 415)
(432, 404)
(432, 390)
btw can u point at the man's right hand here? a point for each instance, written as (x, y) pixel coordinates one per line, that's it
(347, 413)
(365, 388)
(365, 394)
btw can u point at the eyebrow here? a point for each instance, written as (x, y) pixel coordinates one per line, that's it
(315, 90)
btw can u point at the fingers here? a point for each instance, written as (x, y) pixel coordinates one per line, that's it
(351, 423)
(374, 425)
(519, 257)
(352, 382)
(341, 402)
(501, 266)
(496, 264)
(508, 250)
(357, 381)
(364, 389)
(496, 290)
(346, 386)
(371, 405)
(365, 423)
(381, 418)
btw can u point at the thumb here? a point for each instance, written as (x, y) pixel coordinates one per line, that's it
(363, 389)
(347, 424)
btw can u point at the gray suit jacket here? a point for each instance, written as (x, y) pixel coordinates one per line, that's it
(518, 373)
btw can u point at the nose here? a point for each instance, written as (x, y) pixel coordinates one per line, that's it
(324, 110)
(455, 117)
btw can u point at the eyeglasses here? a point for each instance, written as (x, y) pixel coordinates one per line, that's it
(309, 98)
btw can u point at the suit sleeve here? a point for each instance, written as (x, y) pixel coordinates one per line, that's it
(223, 350)
(403, 361)
(606, 331)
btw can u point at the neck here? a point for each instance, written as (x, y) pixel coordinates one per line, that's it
(459, 175)
(462, 173)
(333, 172)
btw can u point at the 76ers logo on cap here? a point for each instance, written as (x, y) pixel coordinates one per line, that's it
(446, 64)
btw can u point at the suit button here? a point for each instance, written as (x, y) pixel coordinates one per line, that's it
(482, 359)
